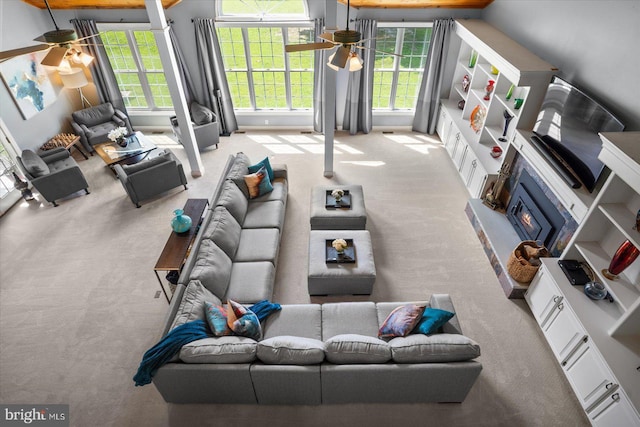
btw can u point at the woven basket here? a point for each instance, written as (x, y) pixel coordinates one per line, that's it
(519, 266)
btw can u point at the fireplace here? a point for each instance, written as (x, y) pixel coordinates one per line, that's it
(532, 214)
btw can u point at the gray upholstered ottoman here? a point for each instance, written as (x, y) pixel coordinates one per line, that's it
(333, 218)
(341, 278)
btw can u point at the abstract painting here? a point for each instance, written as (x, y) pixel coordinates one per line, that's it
(28, 83)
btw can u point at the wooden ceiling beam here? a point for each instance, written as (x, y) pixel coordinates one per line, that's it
(97, 4)
(418, 4)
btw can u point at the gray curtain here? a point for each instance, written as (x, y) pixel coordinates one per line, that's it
(187, 82)
(357, 114)
(101, 71)
(426, 115)
(215, 90)
(319, 61)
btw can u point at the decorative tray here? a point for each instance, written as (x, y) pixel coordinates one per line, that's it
(330, 202)
(349, 256)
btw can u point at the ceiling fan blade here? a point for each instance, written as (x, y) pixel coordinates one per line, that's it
(40, 39)
(87, 37)
(307, 46)
(326, 36)
(341, 56)
(54, 57)
(7, 54)
(376, 50)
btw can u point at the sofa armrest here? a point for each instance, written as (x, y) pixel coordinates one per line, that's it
(117, 120)
(124, 118)
(280, 171)
(86, 130)
(443, 302)
(58, 153)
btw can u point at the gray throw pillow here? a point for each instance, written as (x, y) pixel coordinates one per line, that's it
(34, 164)
(200, 114)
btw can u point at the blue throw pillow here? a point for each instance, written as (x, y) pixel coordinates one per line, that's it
(432, 320)
(217, 319)
(258, 183)
(401, 321)
(263, 163)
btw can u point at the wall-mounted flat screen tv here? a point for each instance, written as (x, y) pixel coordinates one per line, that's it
(566, 130)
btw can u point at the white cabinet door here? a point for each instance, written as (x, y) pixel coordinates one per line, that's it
(614, 411)
(542, 296)
(589, 376)
(563, 332)
(476, 179)
(444, 125)
(452, 141)
(459, 153)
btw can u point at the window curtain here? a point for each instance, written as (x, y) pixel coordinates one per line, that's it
(426, 115)
(358, 115)
(319, 61)
(215, 90)
(101, 71)
(187, 82)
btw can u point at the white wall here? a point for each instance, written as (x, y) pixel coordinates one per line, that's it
(593, 43)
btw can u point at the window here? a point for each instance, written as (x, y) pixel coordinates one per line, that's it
(396, 80)
(260, 74)
(136, 63)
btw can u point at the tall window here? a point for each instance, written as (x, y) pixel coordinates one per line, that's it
(135, 60)
(396, 80)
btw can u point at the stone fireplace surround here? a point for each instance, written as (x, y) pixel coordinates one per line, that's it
(497, 234)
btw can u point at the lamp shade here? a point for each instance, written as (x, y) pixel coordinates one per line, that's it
(355, 63)
(74, 79)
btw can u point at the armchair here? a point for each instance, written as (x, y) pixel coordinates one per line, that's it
(151, 177)
(54, 173)
(207, 134)
(94, 124)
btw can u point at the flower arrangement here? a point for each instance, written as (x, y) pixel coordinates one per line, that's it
(339, 245)
(337, 194)
(117, 134)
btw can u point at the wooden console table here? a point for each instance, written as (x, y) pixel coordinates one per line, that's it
(177, 248)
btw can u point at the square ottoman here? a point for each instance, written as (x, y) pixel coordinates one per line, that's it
(336, 218)
(341, 278)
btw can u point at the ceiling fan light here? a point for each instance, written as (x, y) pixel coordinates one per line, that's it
(83, 58)
(64, 67)
(355, 62)
(333, 67)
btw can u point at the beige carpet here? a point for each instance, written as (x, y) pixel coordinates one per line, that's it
(79, 305)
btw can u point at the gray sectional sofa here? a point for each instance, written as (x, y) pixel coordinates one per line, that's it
(309, 354)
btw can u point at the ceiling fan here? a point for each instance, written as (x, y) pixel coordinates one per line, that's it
(346, 40)
(63, 44)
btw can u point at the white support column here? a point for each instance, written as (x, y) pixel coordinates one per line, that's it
(160, 30)
(329, 95)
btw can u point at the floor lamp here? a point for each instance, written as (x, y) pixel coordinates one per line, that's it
(75, 79)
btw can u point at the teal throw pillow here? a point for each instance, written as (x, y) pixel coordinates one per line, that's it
(243, 321)
(401, 321)
(432, 320)
(217, 319)
(258, 183)
(263, 163)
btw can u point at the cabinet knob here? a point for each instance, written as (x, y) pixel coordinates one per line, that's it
(560, 306)
(556, 298)
(608, 386)
(615, 397)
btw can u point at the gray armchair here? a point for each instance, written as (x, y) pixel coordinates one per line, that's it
(207, 134)
(94, 124)
(54, 173)
(151, 177)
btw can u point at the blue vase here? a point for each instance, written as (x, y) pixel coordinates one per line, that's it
(180, 223)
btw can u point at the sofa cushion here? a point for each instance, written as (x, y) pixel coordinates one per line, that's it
(212, 267)
(258, 183)
(300, 320)
(242, 321)
(216, 316)
(349, 318)
(401, 321)
(146, 164)
(432, 319)
(290, 350)
(263, 163)
(228, 349)
(200, 114)
(95, 115)
(258, 244)
(192, 303)
(264, 215)
(354, 348)
(236, 203)
(223, 230)
(238, 170)
(419, 348)
(34, 164)
(251, 281)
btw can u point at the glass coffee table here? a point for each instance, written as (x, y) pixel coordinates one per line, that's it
(138, 148)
